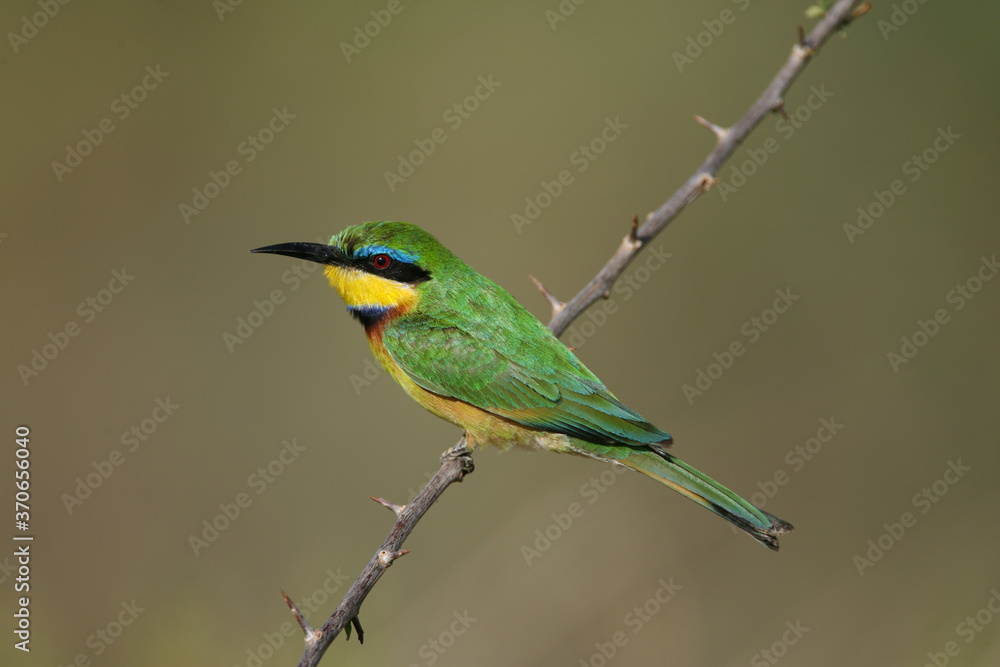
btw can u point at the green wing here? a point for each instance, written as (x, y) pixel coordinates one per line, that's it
(515, 368)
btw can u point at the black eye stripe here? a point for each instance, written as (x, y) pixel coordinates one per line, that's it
(406, 273)
(395, 269)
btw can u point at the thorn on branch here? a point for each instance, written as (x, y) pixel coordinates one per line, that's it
(397, 509)
(858, 12)
(802, 36)
(720, 132)
(556, 304)
(310, 634)
(631, 241)
(386, 557)
(780, 108)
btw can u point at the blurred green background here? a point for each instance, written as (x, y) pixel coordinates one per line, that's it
(164, 331)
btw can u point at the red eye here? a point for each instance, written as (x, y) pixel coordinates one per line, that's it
(381, 261)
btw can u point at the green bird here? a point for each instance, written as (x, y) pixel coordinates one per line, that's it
(463, 348)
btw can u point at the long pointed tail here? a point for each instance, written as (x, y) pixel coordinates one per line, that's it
(705, 491)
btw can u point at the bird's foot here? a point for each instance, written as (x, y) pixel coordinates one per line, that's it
(460, 453)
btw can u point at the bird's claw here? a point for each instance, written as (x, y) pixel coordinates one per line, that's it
(460, 453)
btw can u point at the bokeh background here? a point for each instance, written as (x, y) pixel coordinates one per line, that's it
(286, 407)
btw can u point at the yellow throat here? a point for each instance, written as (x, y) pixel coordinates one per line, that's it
(360, 289)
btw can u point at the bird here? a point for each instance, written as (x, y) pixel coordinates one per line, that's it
(466, 350)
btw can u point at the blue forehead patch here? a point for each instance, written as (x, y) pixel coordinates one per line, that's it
(397, 255)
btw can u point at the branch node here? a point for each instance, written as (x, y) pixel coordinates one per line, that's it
(707, 181)
(397, 509)
(386, 557)
(632, 244)
(555, 303)
(803, 52)
(720, 132)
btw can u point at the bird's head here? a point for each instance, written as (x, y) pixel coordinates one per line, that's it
(377, 267)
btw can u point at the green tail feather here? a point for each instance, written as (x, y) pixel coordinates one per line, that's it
(705, 491)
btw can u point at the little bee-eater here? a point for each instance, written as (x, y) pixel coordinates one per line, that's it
(463, 348)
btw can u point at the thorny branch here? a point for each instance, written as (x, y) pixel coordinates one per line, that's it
(457, 461)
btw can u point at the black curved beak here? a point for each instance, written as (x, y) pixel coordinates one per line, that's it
(313, 252)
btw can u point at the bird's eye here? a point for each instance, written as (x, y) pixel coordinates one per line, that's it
(381, 261)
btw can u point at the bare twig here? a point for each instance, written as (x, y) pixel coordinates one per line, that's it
(727, 141)
(457, 461)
